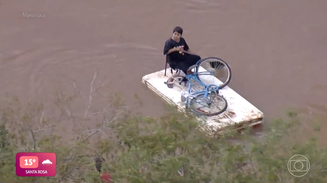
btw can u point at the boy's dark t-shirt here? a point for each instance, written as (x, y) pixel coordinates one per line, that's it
(175, 56)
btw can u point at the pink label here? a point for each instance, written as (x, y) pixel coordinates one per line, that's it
(35, 164)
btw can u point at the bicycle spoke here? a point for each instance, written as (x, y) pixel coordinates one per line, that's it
(200, 105)
(217, 72)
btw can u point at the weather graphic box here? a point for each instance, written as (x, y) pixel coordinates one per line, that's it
(35, 164)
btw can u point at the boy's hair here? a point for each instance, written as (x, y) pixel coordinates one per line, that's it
(178, 30)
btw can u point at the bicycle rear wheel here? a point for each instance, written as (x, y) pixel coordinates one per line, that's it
(212, 68)
(212, 105)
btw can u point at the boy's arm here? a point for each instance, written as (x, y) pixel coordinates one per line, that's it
(172, 50)
(168, 48)
(186, 47)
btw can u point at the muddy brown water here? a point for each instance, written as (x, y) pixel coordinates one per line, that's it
(276, 49)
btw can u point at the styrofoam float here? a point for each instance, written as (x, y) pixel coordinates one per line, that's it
(240, 112)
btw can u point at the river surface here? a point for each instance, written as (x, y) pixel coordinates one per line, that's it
(276, 48)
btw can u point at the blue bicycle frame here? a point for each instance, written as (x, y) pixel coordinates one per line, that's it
(207, 88)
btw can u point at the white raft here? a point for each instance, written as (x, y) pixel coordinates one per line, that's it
(240, 112)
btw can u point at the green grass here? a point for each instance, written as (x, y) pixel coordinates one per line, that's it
(137, 149)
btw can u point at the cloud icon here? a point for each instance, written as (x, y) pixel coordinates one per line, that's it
(46, 162)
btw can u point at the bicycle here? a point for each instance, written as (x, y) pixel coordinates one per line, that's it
(209, 94)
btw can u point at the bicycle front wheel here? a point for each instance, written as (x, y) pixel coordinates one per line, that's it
(212, 105)
(212, 69)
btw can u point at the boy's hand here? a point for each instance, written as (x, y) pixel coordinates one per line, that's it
(177, 48)
(181, 50)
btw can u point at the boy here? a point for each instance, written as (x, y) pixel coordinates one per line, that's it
(176, 49)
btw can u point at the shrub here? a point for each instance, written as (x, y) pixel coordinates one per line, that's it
(138, 149)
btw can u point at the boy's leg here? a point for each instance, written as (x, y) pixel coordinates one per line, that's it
(192, 60)
(184, 66)
(169, 82)
(189, 72)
